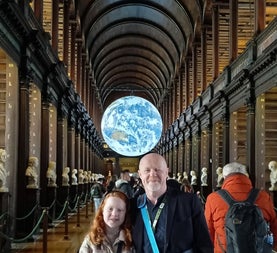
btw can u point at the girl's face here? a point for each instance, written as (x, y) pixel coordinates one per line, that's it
(114, 212)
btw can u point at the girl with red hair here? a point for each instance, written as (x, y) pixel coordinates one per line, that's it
(111, 228)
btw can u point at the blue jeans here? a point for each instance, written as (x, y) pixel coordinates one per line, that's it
(97, 202)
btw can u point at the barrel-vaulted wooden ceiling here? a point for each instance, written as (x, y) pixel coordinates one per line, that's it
(136, 47)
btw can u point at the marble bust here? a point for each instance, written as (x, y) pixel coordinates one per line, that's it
(31, 173)
(272, 166)
(51, 174)
(204, 176)
(179, 177)
(65, 176)
(74, 180)
(185, 175)
(81, 176)
(3, 172)
(193, 177)
(220, 179)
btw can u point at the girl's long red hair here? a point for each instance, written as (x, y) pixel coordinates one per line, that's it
(98, 229)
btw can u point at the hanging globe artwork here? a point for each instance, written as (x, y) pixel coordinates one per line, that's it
(131, 126)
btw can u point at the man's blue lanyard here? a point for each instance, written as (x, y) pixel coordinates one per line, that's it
(147, 224)
(151, 228)
(157, 216)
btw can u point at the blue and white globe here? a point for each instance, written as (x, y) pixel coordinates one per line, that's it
(131, 126)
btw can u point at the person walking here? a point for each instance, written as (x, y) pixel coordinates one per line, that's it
(238, 184)
(123, 184)
(177, 218)
(97, 192)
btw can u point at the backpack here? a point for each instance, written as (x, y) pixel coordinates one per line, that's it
(96, 191)
(245, 227)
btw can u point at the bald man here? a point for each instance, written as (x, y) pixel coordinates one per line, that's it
(176, 217)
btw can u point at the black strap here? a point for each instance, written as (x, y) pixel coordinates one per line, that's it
(119, 247)
(253, 195)
(228, 198)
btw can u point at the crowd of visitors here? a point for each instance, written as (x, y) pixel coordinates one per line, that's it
(154, 212)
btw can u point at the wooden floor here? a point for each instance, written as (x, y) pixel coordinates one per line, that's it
(56, 242)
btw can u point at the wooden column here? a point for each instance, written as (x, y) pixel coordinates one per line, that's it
(66, 32)
(77, 150)
(166, 154)
(250, 137)
(79, 68)
(198, 157)
(177, 97)
(65, 156)
(61, 147)
(226, 138)
(170, 157)
(233, 32)
(71, 147)
(84, 79)
(55, 25)
(181, 88)
(215, 28)
(187, 81)
(194, 72)
(259, 16)
(176, 151)
(210, 154)
(87, 156)
(166, 112)
(182, 156)
(73, 51)
(81, 152)
(44, 160)
(171, 106)
(23, 194)
(38, 9)
(203, 58)
(23, 125)
(189, 147)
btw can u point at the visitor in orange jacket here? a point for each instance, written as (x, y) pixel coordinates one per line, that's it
(238, 184)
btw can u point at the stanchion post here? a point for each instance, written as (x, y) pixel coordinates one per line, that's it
(45, 227)
(87, 209)
(92, 205)
(78, 213)
(66, 222)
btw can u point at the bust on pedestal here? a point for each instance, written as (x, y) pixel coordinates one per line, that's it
(179, 177)
(51, 174)
(65, 176)
(185, 175)
(74, 180)
(81, 176)
(31, 173)
(3, 172)
(204, 176)
(193, 177)
(272, 166)
(220, 178)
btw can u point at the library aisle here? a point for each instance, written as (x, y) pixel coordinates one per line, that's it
(56, 241)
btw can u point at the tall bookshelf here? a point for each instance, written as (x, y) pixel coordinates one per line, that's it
(3, 81)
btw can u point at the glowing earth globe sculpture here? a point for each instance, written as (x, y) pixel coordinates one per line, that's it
(131, 126)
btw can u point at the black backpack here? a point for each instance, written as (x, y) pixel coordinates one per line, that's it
(245, 226)
(96, 191)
